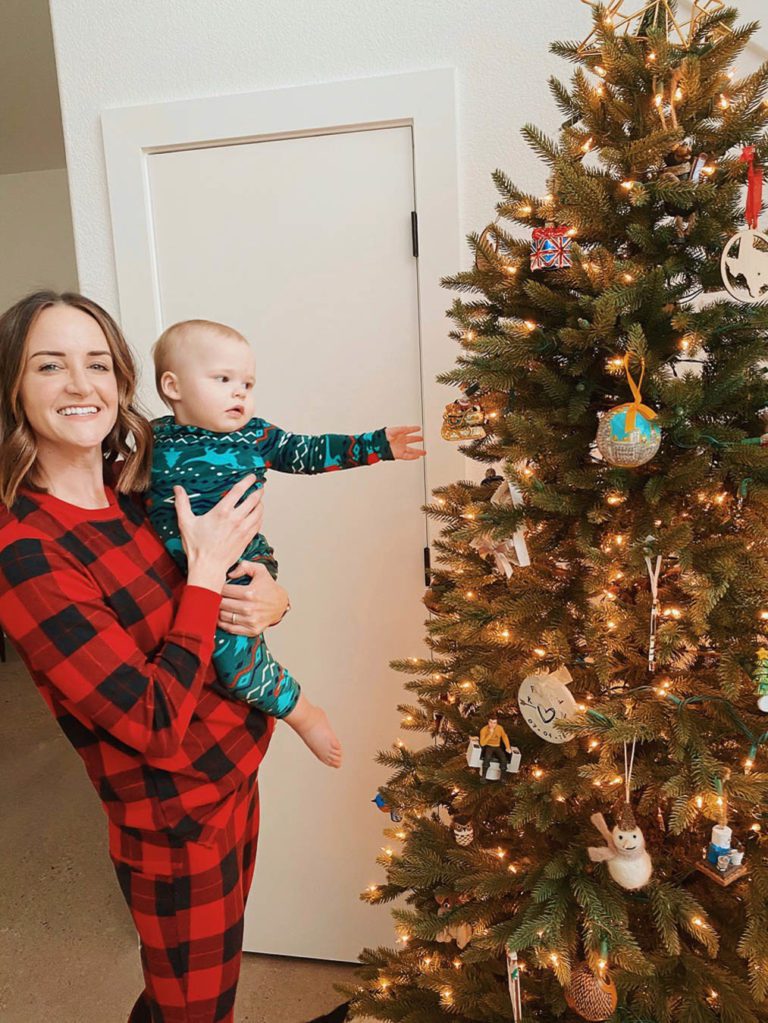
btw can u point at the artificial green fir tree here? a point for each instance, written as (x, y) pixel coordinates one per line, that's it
(646, 592)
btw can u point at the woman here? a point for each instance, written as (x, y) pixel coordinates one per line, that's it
(120, 645)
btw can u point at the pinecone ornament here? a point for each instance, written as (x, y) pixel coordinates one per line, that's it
(592, 997)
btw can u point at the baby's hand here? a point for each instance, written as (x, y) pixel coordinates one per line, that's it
(400, 440)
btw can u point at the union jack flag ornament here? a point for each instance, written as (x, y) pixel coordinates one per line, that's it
(551, 248)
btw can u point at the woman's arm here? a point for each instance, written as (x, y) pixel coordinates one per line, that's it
(66, 633)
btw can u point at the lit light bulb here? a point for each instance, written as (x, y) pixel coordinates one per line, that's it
(724, 103)
(651, 57)
(470, 595)
(526, 211)
(587, 146)
(697, 921)
(501, 853)
(594, 743)
(627, 278)
(510, 269)
(658, 99)
(530, 325)
(537, 772)
(601, 71)
(457, 964)
(678, 94)
(628, 185)
(540, 651)
(512, 868)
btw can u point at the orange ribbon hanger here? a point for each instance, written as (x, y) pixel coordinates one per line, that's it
(637, 405)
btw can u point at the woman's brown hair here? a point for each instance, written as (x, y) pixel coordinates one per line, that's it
(131, 436)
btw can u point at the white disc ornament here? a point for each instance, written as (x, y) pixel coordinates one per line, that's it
(744, 267)
(627, 444)
(544, 700)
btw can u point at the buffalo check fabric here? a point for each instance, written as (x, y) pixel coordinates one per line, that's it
(120, 649)
(188, 907)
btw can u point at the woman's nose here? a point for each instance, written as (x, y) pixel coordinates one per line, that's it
(78, 382)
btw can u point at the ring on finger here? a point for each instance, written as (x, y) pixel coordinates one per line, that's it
(234, 617)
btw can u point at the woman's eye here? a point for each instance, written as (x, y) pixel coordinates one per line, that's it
(48, 365)
(100, 365)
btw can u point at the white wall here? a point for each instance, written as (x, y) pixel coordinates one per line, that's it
(36, 244)
(153, 50)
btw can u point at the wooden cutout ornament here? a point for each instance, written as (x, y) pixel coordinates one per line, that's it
(544, 699)
(744, 264)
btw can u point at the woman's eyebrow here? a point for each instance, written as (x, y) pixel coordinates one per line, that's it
(63, 355)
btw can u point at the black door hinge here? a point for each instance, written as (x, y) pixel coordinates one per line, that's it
(415, 232)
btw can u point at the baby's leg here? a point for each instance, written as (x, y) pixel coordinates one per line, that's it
(249, 672)
(312, 724)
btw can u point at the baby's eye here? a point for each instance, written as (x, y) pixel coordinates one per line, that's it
(248, 386)
(224, 379)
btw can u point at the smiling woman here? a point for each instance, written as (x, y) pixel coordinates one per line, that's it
(120, 646)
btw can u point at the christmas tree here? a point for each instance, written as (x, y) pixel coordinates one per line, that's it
(604, 603)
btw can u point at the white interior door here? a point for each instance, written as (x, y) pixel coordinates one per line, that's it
(304, 245)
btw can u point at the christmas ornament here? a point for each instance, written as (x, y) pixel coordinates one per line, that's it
(627, 435)
(660, 14)
(463, 831)
(545, 699)
(491, 479)
(460, 933)
(654, 571)
(513, 982)
(592, 997)
(510, 496)
(628, 862)
(463, 420)
(551, 248)
(723, 863)
(475, 760)
(501, 551)
(744, 264)
(385, 808)
(760, 678)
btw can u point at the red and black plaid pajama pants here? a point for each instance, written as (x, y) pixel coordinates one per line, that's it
(188, 904)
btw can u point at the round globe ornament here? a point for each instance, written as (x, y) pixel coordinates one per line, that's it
(744, 267)
(628, 435)
(627, 438)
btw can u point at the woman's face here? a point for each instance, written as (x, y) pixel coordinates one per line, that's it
(68, 385)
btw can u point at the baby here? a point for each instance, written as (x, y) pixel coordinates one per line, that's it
(205, 372)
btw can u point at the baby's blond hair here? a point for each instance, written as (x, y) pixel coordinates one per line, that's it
(165, 350)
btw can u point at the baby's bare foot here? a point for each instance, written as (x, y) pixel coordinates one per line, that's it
(322, 740)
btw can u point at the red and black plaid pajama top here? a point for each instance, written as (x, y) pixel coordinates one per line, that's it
(120, 648)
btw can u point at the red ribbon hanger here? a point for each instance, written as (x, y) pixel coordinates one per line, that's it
(754, 188)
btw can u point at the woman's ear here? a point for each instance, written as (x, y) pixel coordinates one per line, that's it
(169, 386)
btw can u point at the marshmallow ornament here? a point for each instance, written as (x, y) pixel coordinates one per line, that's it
(628, 861)
(544, 700)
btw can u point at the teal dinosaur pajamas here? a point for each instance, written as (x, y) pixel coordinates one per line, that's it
(207, 465)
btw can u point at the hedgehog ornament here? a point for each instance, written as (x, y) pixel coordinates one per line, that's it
(628, 861)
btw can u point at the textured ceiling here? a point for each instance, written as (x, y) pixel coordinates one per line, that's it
(31, 137)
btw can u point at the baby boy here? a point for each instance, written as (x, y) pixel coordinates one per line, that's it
(205, 372)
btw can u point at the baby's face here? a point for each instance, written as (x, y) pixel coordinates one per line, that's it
(215, 378)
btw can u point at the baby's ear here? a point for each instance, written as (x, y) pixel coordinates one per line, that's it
(169, 387)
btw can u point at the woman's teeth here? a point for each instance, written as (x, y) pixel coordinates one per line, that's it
(88, 410)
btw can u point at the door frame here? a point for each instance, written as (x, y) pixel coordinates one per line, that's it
(424, 100)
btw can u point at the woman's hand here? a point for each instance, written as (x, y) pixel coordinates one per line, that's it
(216, 540)
(400, 440)
(255, 607)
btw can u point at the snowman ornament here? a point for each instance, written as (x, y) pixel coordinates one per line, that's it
(628, 861)
(545, 699)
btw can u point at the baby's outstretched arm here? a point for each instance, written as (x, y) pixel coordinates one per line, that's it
(329, 452)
